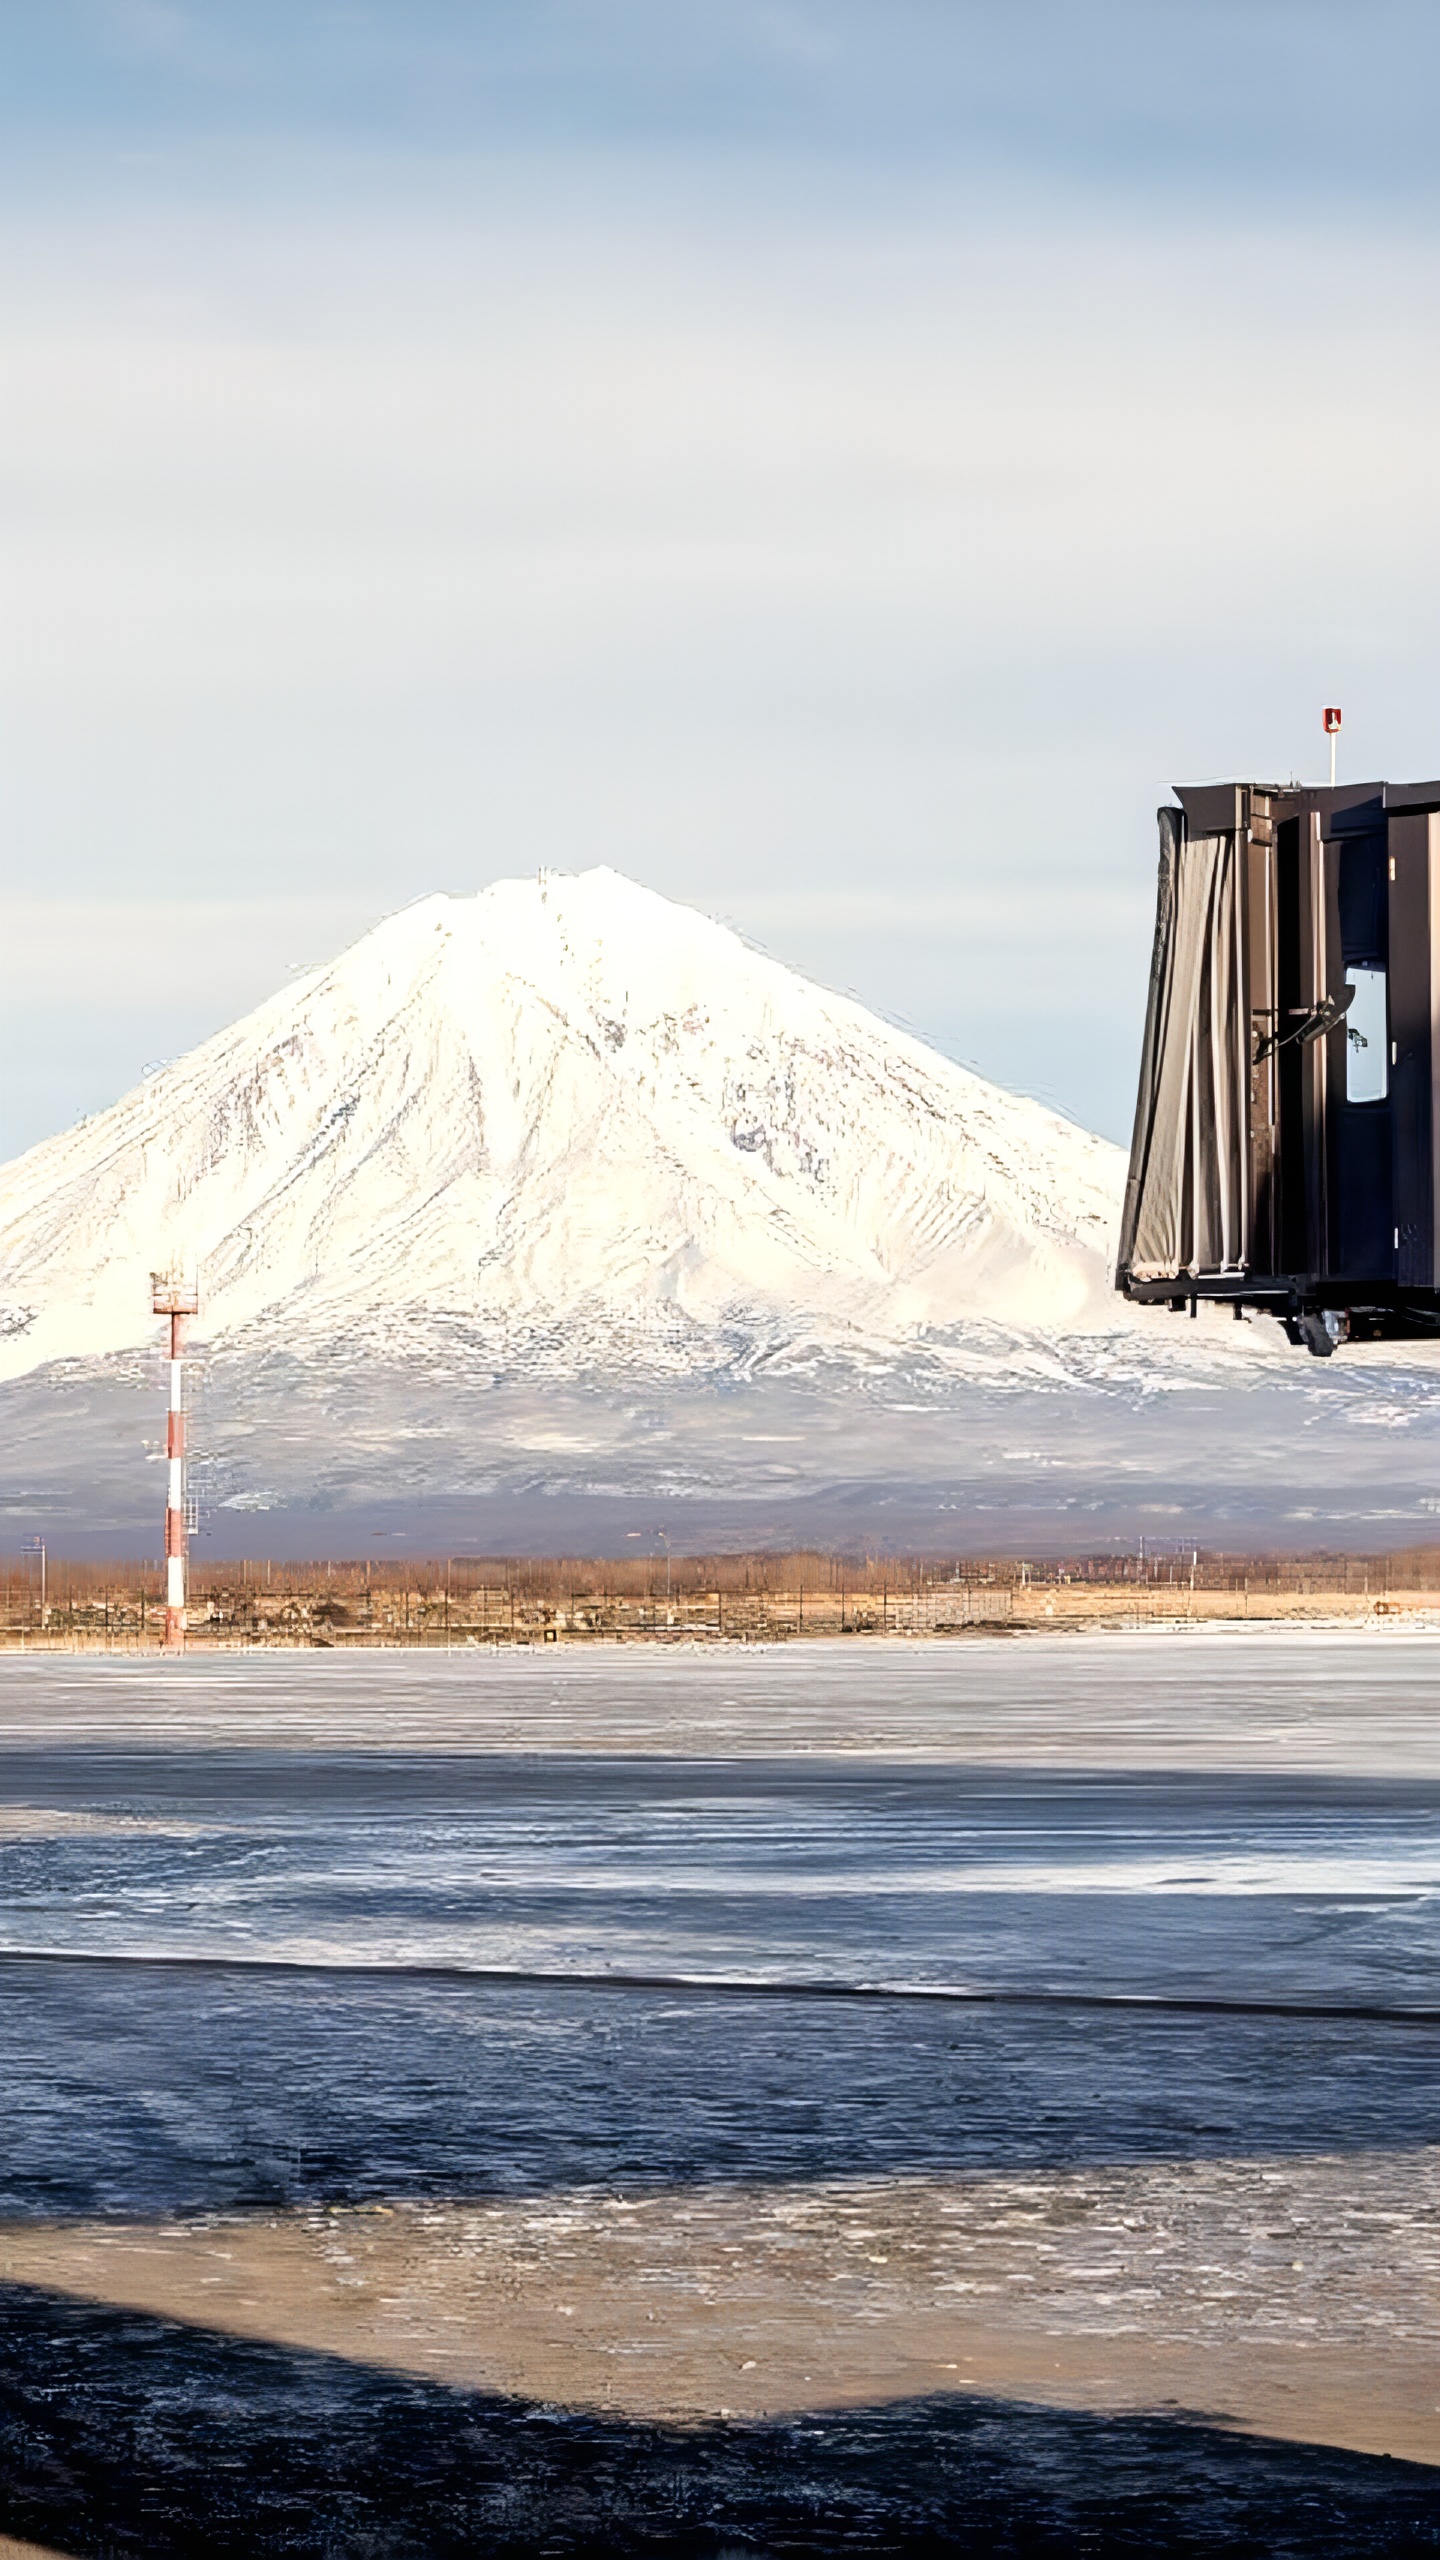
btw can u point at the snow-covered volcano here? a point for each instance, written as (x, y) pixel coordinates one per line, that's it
(584, 1126)
(547, 1216)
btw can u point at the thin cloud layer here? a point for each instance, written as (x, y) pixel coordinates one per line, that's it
(839, 465)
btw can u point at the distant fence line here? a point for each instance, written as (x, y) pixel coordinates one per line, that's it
(756, 1597)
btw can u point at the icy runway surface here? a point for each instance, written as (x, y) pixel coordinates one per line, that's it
(1251, 1821)
(1245, 1818)
(397, 2047)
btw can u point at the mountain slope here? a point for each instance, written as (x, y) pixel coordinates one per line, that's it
(581, 1124)
(545, 1216)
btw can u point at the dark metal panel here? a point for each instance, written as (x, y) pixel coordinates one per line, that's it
(1240, 1049)
(1417, 796)
(1291, 980)
(1319, 930)
(1411, 925)
(1432, 833)
(1262, 1003)
(1356, 812)
(1364, 900)
(1363, 1221)
(1211, 808)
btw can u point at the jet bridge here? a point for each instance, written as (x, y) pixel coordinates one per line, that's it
(1286, 1154)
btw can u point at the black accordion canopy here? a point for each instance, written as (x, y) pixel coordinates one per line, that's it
(1286, 1153)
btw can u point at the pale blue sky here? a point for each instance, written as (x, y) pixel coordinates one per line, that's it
(837, 462)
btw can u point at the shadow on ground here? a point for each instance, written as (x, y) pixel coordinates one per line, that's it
(143, 2091)
(121, 2434)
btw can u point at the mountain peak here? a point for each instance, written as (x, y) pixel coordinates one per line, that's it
(567, 1110)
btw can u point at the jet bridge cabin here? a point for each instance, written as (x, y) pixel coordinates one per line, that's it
(1286, 1154)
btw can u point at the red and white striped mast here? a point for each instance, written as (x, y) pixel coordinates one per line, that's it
(176, 1298)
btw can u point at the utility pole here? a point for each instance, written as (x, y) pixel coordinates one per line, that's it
(175, 1297)
(36, 1547)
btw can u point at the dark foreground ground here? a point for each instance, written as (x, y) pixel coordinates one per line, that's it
(129, 2435)
(171, 2120)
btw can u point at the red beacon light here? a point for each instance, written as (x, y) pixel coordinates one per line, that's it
(1330, 719)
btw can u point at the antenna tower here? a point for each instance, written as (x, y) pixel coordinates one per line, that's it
(174, 1296)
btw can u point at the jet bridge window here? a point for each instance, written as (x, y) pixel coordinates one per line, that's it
(1367, 1036)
